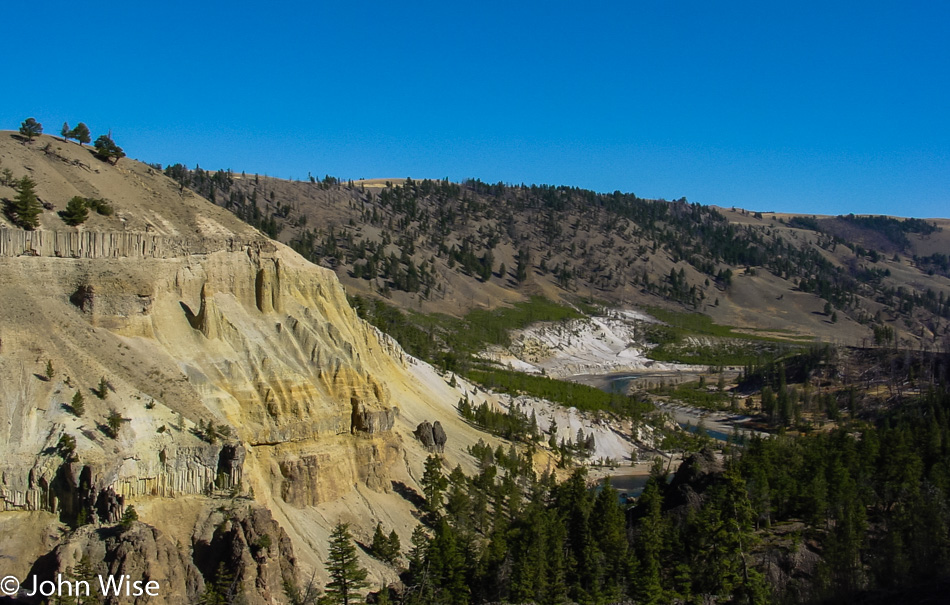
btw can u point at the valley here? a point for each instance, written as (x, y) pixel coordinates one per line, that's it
(220, 382)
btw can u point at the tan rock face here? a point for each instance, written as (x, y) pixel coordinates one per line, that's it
(307, 373)
(233, 370)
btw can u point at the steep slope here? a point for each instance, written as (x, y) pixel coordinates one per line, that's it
(218, 370)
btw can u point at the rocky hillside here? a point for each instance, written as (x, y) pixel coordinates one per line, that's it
(167, 355)
(448, 247)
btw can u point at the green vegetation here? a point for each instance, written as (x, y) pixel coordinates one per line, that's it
(31, 129)
(81, 134)
(211, 432)
(107, 150)
(66, 448)
(102, 390)
(347, 578)
(492, 327)
(570, 394)
(697, 395)
(895, 230)
(78, 405)
(114, 423)
(863, 504)
(729, 347)
(697, 324)
(223, 590)
(385, 548)
(447, 341)
(512, 425)
(77, 210)
(129, 516)
(25, 208)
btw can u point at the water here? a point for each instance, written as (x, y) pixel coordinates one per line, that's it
(718, 435)
(619, 383)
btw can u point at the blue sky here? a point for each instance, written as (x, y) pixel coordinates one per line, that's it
(818, 107)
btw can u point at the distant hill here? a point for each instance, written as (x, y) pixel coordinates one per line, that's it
(438, 246)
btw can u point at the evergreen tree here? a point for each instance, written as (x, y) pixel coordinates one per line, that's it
(66, 448)
(114, 423)
(76, 211)
(107, 150)
(524, 259)
(66, 132)
(81, 133)
(129, 516)
(31, 129)
(418, 555)
(610, 536)
(573, 502)
(647, 586)
(78, 405)
(82, 571)
(434, 484)
(25, 208)
(385, 548)
(446, 564)
(395, 547)
(222, 590)
(346, 575)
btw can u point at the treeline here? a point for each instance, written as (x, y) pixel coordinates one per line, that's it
(509, 536)
(513, 425)
(829, 516)
(875, 499)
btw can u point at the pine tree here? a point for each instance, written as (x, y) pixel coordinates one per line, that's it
(647, 587)
(31, 129)
(107, 150)
(433, 484)
(66, 448)
(524, 258)
(26, 207)
(346, 575)
(610, 535)
(417, 559)
(386, 548)
(86, 572)
(78, 404)
(129, 517)
(395, 548)
(66, 132)
(221, 591)
(76, 211)
(446, 563)
(81, 133)
(114, 422)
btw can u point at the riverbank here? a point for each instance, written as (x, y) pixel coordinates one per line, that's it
(721, 424)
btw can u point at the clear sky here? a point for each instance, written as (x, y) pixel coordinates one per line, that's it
(818, 107)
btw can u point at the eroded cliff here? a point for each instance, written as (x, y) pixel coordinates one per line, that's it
(169, 352)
